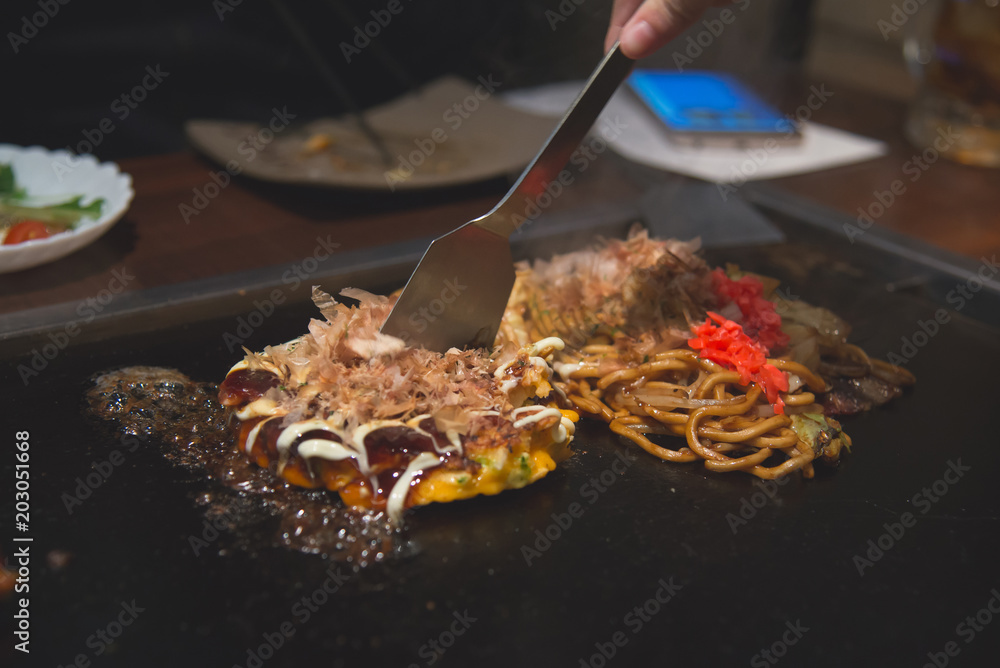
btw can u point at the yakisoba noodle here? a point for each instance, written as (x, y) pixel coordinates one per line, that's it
(627, 311)
(677, 393)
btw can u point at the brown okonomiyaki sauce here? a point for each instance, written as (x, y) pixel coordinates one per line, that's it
(164, 406)
(387, 449)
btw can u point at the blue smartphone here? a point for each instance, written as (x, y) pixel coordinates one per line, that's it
(708, 108)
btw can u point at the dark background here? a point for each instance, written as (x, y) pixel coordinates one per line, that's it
(62, 82)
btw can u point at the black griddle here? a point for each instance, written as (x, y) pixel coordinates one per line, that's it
(738, 567)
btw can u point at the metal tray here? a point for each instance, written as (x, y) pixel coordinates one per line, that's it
(630, 561)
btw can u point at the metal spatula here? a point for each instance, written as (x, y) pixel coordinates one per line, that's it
(457, 294)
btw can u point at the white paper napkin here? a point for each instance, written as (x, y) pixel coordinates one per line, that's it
(641, 137)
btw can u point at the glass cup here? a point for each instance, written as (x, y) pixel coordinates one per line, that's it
(953, 47)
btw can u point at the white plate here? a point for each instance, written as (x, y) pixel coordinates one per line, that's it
(449, 132)
(45, 173)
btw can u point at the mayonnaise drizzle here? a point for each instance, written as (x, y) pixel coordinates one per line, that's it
(507, 384)
(252, 436)
(397, 497)
(450, 434)
(454, 439)
(353, 448)
(261, 364)
(565, 369)
(291, 433)
(260, 408)
(553, 342)
(325, 448)
(564, 428)
(540, 414)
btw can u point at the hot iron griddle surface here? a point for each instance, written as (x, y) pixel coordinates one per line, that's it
(783, 578)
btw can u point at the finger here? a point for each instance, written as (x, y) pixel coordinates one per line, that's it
(656, 22)
(620, 14)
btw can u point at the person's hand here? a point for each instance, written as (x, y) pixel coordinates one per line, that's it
(643, 26)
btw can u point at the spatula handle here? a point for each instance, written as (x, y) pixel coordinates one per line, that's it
(515, 207)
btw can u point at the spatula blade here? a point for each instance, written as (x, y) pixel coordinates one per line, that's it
(469, 274)
(456, 296)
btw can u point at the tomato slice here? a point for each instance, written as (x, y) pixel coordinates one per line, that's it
(27, 230)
